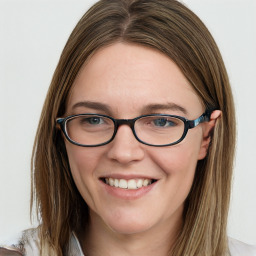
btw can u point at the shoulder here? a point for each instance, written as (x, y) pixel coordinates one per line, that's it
(8, 251)
(26, 244)
(238, 248)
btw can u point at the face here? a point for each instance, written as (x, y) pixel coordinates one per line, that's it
(126, 81)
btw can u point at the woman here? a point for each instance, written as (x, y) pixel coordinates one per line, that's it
(135, 145)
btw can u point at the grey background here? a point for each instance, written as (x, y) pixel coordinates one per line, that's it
(32, 36)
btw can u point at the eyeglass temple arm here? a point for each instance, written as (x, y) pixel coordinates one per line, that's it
(59, 123)
(205, 117)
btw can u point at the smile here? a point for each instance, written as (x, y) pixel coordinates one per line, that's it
(128, 184)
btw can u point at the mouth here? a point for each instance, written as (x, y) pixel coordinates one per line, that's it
(131, 184)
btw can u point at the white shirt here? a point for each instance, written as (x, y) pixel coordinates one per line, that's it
(238, 248)
(31, 246)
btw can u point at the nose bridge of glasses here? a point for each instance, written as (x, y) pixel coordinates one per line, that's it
(129, 122)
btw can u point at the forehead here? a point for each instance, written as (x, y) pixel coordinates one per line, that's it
(126, 77)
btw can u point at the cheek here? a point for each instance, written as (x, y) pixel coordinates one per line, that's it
(177, 160)
(83, 163)
(81, 160)
(178, 164)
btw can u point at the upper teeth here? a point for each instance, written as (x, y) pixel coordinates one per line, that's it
(128, 184)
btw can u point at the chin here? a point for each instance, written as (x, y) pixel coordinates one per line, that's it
(129, 223)
(128, 227)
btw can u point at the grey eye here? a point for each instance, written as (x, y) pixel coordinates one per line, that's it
(95, 120)
(92, 120)
(163, 122)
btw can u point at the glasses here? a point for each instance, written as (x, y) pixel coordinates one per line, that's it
(159, 130)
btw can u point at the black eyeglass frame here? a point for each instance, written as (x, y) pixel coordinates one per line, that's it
(188, 124)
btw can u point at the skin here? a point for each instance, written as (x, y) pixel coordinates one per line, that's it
(127, 78)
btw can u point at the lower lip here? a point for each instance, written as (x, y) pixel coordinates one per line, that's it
(128, 194)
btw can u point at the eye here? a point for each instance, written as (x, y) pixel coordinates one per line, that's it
(95, 120)
(163, 122)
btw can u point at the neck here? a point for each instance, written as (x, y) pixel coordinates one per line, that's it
(101, 240)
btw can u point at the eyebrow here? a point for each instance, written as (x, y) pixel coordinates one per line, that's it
(146, 109)
(169, 106)
(92, 105)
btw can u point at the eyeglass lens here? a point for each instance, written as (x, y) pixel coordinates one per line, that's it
(155, 130)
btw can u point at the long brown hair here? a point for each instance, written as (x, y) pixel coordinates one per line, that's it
(171, 28)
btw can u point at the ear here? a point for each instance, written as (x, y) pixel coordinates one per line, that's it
(207, 134)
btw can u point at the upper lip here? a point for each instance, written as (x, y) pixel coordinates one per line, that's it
(128, 176)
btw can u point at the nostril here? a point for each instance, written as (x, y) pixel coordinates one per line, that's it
(125, 152)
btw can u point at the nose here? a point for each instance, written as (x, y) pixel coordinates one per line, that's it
(125, 148)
